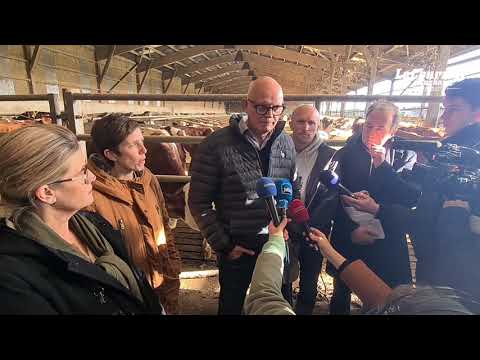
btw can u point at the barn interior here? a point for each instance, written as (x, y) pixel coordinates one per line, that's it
(182, 93)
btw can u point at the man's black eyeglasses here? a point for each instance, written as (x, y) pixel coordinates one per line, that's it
(263, 109)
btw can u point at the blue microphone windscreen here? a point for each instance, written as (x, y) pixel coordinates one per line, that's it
(328, 178)
(284, 190)
(334, 179)
(266, 187)
(282, 204)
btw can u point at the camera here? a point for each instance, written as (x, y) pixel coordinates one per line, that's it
(452, 170)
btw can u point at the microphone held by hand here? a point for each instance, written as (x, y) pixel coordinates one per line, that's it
(267, 190)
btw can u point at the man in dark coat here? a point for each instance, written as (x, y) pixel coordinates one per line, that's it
(313, 155)
(461, 118)
(225, 170)
(368, 163)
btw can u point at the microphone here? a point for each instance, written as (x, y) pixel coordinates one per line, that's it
(284, 195)
(267, 190)
(299, 213)
(428, 146)
(331, 180)
(282, 208)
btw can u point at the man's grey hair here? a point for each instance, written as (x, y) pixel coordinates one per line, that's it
(384, 105)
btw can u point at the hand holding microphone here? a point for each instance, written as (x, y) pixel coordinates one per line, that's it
(284, 197)
(267, 190)
(299, 214)
(280, 229)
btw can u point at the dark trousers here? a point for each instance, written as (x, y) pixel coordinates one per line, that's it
(341, 298)
(310, 261)
(235, 277)
(287, 290)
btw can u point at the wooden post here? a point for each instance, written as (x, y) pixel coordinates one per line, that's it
(54, 103)
(433, 109)
(392, 82)
(28, 56)
(75, 125)
(373, 64)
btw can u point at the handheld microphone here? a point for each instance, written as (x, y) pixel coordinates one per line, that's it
(282, 208)
(284, 195)
(267, 190)
(428, 146)
(299, 213)
(331, 180)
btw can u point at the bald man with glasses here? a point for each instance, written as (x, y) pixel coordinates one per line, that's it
(225, 170)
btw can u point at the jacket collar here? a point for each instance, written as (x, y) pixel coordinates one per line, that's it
(468, 136)
(15, 244)
(235, 120)
(107, 184)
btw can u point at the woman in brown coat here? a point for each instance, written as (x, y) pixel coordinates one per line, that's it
(129, 196)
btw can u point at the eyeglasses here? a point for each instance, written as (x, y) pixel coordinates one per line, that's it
(263, 109)
(83, 177)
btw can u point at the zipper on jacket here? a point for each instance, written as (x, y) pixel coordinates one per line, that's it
(100, 294)
(121, 224)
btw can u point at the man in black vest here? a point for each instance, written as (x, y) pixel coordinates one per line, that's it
(225, 170)
(313, 155)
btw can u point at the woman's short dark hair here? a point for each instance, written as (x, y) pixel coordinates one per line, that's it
(109, 132)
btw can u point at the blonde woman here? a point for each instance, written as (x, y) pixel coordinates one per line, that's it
(53, 258)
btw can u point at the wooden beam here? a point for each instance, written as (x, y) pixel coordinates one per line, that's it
(140, 86)
(221, 80)
(165, 88)
(186, 87)
(98, 73)
(242, 88)
(431, 119)
(233, 83)
(393, 48)
(248, 78)
(107, 64)
(372, 60)
(211, 74)
(289, 55)
(34, 58)
(103, 51)
(123, 77)
(339, 49)
(230, 86)
(27, 55)
(229, 58)
(180, 55)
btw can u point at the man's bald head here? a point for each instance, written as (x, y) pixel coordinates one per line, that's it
(264, 87)
(305, 123)
(263, 92)
(306, 110)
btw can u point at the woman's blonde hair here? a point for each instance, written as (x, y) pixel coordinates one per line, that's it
(31, 157)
